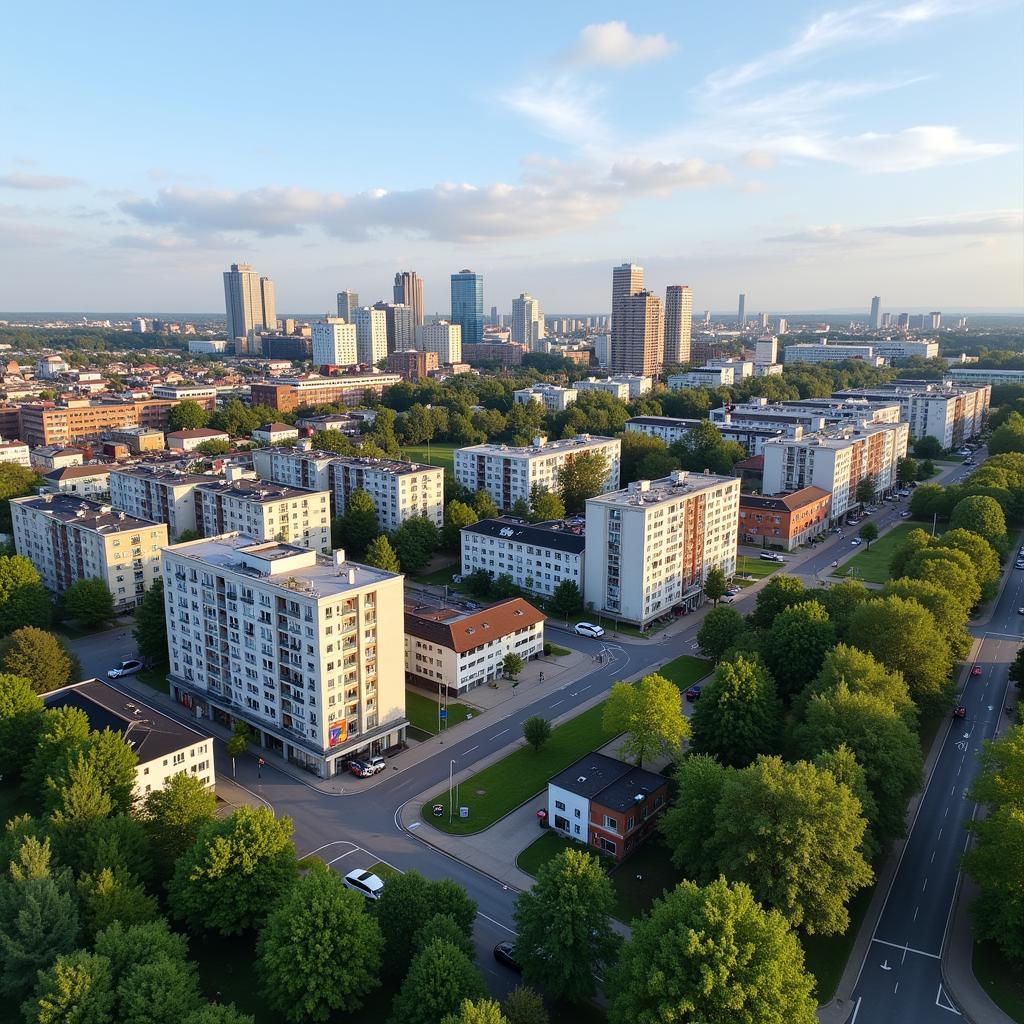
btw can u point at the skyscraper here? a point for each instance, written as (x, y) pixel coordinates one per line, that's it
(371, 334)
(401, 325)
(468, 305)
(527, 322)
(627, 280)
(408, 291)
(678, 323)
(935, 318)
(764, 321)
(638, 341)
(348, 302)
(250, 306)
(495, 319)
(741, 313)
(876, 312)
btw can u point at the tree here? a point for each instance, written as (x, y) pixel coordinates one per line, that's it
(950, 569)
(545, 505)
(840, 600)
(39, 656)
(113, 894)
(721, 628)
(566, 600)
(563, 922)
(483, 1011)
(797, 643)
(649, 712)
(381, 554)
(903, 636)
(906, 471)
(688, 825)
(778, 594)
(536, 731)
(511, 665)
(173, 816)
(150, 630)
(712, 955)
(113, 764)
(21, 720)
(15, 482)
(23, 598)
(439, 979)
(319, 952)
(187, 415)
(949, 613)
(981, 515)
(160, 992)
(638, 453)
(215, 446)
(443, 926)
(865, 492)
(845, 768)
(582, 476)
(929, 500)
(715, 585)
(457, 515)
(739, 714)
(89, 601)
(704, 448)
(916, 540)
(79, 805)
(520, 509)
(238, 743)
(524, 1006)
(867, 533)
(186, 536)
(235, 870)
(861, 673)
(927, 447)
(76, 989)
(126, 946)
(483, 505)
(414, 542)
(982, 555)
(357, 525)
(218, 1013)
(1008, 436)
(64, 732)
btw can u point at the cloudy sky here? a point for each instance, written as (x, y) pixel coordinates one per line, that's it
(809, 154)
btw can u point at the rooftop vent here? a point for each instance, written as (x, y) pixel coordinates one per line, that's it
(581, 778)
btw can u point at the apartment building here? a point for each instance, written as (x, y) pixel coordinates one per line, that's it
(163, 747)
(836, 461)
(47, 423)
(702, 377)
(951, 413)
(275, 433)
(264, 511)
(56, 456)
(831, 352)
(452, 652)
(400, 490)
(536, 556)
(503, 353)
(91, 481)
(156, 492)
(68, 538)
(784, 520)
(961, 375)
(509, 473)
(651, 546)
(16, 452)
(286, 394)
(202, 394)
(441, 337)
(412, 364)
(624, 386)
(289, 642)
(907, 348)
(553, 398)
(190, 440)
(299, 466)
(672, 428)
(136, 439)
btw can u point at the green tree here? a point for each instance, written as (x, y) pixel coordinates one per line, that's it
(76, 989)
(688, 825)
(23, 598)
(779, 593)
(906, 471)
(457, 514)
(867, 533)
(949, 613)
(649, 713)
(173, 815)
(536, 731)
(927, 447)
(439, 979)
(840, 600)
(15, 482)
(150, 630)
(39, 656)
(443, 926)
(483, 1011)
(112, 761)
(381, 554)
(565, 937)
(865, 492)
(21, 721)
(483, 505)
(712, 955)
(739, 714)
(951, 569)
(929, 500)
(215, 446)
(112, 894)
(636, 452)
(845, 768)
(319, 952)
(916, 540)
(188, 535)
(520, 509)
(126, 946)
(545, 505)
(524, 1006)
(715, 585)
(861, 673)
(218, 1013)
(981, 515)
(79, 805)
(238, 743)
(90, 602)
(703, 447)
(719, 631)
(64, 732)
(357, 526)
(187, 415)
(566, 600)
(230, 878)
(982, 555)
(511, 665)
(582, 476)
(1008, 436)
(414, 542)
(160, 992)
(799, 638)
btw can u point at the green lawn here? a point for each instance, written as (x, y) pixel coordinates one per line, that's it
(685, 670)
(492, 793)
(440, 454)
(759, 567)
(555, 651)
(826, 955)
(873, 566)
(155, 678)
(421, 711)
(1001, 979)
(383, 871)
(439, 577)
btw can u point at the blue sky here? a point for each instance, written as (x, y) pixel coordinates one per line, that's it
(809, 154)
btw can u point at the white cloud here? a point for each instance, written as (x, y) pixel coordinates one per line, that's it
(612, 45)
(813, 234)
(985, 224)
(36, 182)
(657, 177)
(562, 109)
(758, 160)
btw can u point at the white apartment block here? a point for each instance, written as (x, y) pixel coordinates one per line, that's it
(295, 467)
(603, 349)
(68, 539)
(508, 473)
(703, 377)
(452, 652)
(334, 342)
(299, 646)
(651, 546)
(443, 338)
(88, 481)
(16, 452)
(766, 351)
(206, 396)
(741, 368)
(207, 346)
(836, 461)
(671, 429)
(553, 398)
(154, 492)
(624, 386)
(831, 352)
(265, 511)
(527, 322)
(190, 440)
(371, 335)
(961, 375)
(537, 556)
(907, 348)
(400, 490)
(56, 456)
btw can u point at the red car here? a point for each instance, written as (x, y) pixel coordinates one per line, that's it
(960, 711)
(976, 671)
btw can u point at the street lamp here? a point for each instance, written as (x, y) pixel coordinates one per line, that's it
(451, 766)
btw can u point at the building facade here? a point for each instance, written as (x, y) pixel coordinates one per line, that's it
(441, 337)
(527, 322)
(412, 364)
(334, 342)
(286, 394)
(830, 352)
(348, 302)
(371, 335)
(189, 440)
(250, 304)
(784, 520)
(639, 339)
(91, 481)
(678, 323)
(467, 307)
(551, 396)
(162, 495)
(300, 466)
(46, 423)
(15, 452)
(400, 490)
(201, 395)
(503, 353)
(408, 291)
(703, 377)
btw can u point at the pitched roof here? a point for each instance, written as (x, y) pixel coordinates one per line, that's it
(74, 472)
(784, 502)
(462, 633)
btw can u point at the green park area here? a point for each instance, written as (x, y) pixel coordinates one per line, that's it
(872, 565)
(421, 711)
(1003, 982)
(685, 670)
(440, 454)
(757, 568)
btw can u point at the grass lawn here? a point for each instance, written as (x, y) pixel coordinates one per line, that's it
(439, 577)
(826, 955)
(492, 793)
(421, 710)
(557, 652)
(685, 670)
(155, 678)
(873, 566)
(383, 871)
(440, 454)
(759, 567)
(1002, 980)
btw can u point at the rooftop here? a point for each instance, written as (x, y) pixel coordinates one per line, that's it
(275, 428)
(460, 631)
(555, 534)
(540, 445)
(295, 452)
(784, 502)
(384, 465)
(607, 781)
(89, 515)
(198, 432)
(255, 490)
(77, 472)
(162, 474)
(676, 485)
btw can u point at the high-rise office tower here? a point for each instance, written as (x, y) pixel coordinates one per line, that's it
(468, 305)
(936, 319)
(887, 319)
(401, 324)
(783, 325)
(903, 321)
(250, 306)
(495, 319)
(348, 302)
(741, 313)
(334, 342)
(527, 322)
(408, 291)
(876, 312)
(763, 318)
(638, 341)
(627, 280)
(678, 323)
(371, 334)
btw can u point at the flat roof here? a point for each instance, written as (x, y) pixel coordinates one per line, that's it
(256, 490)
(89, 515)
(161, 474)
(384, 465)
(199, 432)
(607, 781)
(548, 448)
(651, 492)
(555, 534)
(293, 451)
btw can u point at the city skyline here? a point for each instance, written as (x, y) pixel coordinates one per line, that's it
(807, 156)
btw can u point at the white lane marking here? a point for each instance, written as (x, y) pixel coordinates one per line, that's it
(908, 949)
(557, 702)
(471, 749)
(511, 931)
(497, 734)
(916, 909)
(856, 1010)
(337, 842)
(414, 824)
(342, 857)
(925, 886)
(947, 1005)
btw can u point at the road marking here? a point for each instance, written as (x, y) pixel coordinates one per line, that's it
(932, 861)
(946, 1005)
(511, 931)
(939, 836)
(856, 1010)
(557, 702)
(908, 949)
(916, 909)
(925, 886)
(896, 989)
(342, 857)
(471, 749)
(582, 688)
(497, 734)
(414, 824)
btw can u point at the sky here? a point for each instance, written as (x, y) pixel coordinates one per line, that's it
(810, 155)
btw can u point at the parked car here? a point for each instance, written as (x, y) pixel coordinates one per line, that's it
(905, 514)
(360, 769)
(457, 578)
(727, 598)
(364, 882)
(959, 711)
(856, 542)
(127, 667)
(693, 693)
(733, 591)
(376, 764)
(588, 629)
(1019, 564)
(976, 670)
(504, 954)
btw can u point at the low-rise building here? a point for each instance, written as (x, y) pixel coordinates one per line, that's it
(606, 803)
(624, 386)
(72, 420)
(136, 439)
(972, 375)
(275, 433)
(784, 520)
(161, 493)
(452, 652)
(56, 456)
(502, 353)
(201, 394)
(92, 481)
(189, 440)
(329, 421)
(68, 539)
(553, 398)
(286, 394)
(412, 363)
(399, 490)
(671, 429)
(702, 377)
(299, 466)
(536, 556)
(163, 747)
(831, 352)
(16, 452)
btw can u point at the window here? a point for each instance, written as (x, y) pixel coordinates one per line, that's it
(577, 813)
(611, 823)
(559, 805)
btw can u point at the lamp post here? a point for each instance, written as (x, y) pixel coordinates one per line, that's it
(451, 767)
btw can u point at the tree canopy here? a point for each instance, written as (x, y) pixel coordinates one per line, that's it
(649, 713)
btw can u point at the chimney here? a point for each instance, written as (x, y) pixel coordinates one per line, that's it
(352, 576)
(339, 558)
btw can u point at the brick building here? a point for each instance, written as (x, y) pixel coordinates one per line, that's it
(784, 519)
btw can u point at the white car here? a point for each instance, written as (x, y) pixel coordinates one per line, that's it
(128, 667)
(588, 629)
(856, 542)
(366, 883)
